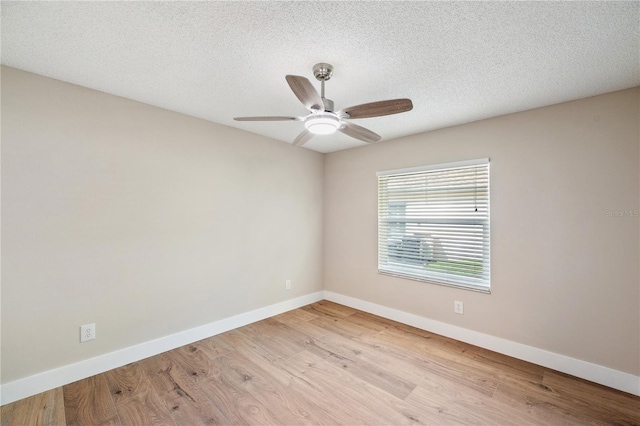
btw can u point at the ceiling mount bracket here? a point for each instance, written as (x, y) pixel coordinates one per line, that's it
(322, 71)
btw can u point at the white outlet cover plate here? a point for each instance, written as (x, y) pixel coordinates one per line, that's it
(87, 332)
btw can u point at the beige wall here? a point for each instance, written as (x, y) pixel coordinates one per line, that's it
(149, 222)
(564, 273)
(144, 221)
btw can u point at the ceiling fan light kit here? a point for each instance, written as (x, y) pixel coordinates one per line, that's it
(322, 123)
(322, 120)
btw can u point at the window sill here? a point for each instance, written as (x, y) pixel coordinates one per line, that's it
(476, 288)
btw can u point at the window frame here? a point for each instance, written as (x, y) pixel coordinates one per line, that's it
(403, 268)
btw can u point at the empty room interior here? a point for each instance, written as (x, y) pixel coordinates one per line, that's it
(320, 213)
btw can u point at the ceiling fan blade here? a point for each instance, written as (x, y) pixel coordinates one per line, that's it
(359, 132)
(305, 91)
(377, 109)
(268, 118)
(303, 138)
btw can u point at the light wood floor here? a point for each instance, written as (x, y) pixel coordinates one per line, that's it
(327, 364)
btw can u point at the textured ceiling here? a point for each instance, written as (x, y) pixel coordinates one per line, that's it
(457, 61)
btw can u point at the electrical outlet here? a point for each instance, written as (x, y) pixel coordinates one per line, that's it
(87, 332)
(458, 307)
(287, 285)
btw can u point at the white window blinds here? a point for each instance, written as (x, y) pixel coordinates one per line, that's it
(433, 224)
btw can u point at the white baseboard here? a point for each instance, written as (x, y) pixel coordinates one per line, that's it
(585, 370)
(47, 380)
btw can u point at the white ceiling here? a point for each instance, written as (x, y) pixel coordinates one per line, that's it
(457, 61)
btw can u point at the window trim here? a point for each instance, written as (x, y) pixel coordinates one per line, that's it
(430, 167)
(445, 279)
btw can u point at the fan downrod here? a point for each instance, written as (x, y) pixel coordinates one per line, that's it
(323, 72)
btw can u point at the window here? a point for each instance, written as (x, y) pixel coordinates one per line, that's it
(433, 224)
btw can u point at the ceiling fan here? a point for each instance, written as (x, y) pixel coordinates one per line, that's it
(322, 119)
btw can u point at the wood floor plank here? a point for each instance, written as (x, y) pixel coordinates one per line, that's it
(202, 370)
(303, 326)
(331, 409)
(56, 415)
(343, 357)
(447, 411)
(468, 359)
(539, 402)
(445, 347)
(6, 411)
(277, 339)
(428, 342)
(125, 381)
(88, 402)
(214, 347)
(143, 408)
(338, 406)
(448, 367)
(454, 402)
(289, 408)
(371, 321)
(184, 400)
(282, 331)
(352, 391)
(254, 353)
(322, 405)
(295, 316)
(237, 405)
(46, 408)
(505, 367)
(325, 308)
(195, 362)
(602, 402)
(498, 365)
(370, 355)
(342, 326)
(136, 402)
